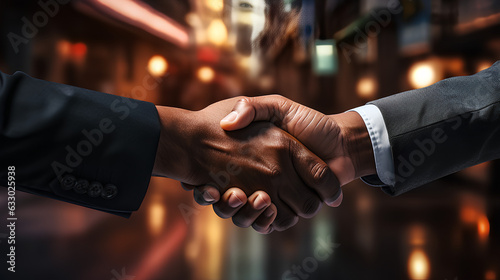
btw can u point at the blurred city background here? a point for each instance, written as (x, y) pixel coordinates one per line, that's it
(331, 55)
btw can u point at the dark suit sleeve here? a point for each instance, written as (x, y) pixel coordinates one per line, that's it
(441, 129)
(84, 147)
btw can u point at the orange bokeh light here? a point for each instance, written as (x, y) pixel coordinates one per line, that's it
(79, 50)
(468, 214)
(483, 227)
(490, 275)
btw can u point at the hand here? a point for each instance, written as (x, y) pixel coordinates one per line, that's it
(249, 211)
(195, 150)
(341, 140)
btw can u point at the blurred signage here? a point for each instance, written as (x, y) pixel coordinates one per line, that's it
(414, 36)
(325, 59)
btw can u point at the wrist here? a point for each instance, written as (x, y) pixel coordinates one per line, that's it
(357, 144)
(171, 155)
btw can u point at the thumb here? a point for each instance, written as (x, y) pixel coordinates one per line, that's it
(273, 108)
(242, 115)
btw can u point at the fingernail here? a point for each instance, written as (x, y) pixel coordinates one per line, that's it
(234, 201)
(231, 117)
(208, 197)
(259, 202)
(269, 212)
(338, 201)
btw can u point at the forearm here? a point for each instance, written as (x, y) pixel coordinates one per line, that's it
(51, 131)
(441, 129)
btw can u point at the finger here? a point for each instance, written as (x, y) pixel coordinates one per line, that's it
(263, 223)
(303, 200)
(232, 201)
(316, 174)
(263, 108)
(285, 217)
(256, 205)
(338, 201)
(206, 195)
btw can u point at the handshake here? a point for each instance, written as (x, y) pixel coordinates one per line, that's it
(264, 161)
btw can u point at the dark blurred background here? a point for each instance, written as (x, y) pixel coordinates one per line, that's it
(331, 55)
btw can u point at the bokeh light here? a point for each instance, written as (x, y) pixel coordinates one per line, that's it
(215, 5)
(156, 219)
(483, 227)
(206, 74)
(217, 32)
(157, 65)
(423, 74)
(490, 275)
(367, 88)
(418, 265)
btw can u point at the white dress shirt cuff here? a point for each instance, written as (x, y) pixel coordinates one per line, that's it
(379, 136)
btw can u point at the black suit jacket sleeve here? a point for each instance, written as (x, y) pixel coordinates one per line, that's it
(441, 129)
(76, 145)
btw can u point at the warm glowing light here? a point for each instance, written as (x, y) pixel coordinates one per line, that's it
(206, 74)
(156, 217)
(64, 47)
(423, 75)
(157, 65)
(483, 65)
(143, 16)
(468, 214)
(161, 252)
(193, 19)
(244, 62)
(417, 235)
(418, 265)
(483, 227)
(217, 32)
(215, 5)
(490, 275)
(366, 88)
(79, 50)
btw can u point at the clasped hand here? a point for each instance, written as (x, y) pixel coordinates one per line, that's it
(273, 160)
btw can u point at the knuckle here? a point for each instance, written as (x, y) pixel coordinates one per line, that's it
(277, 96)
(244, 99)
(320, 173)
(275, 172)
